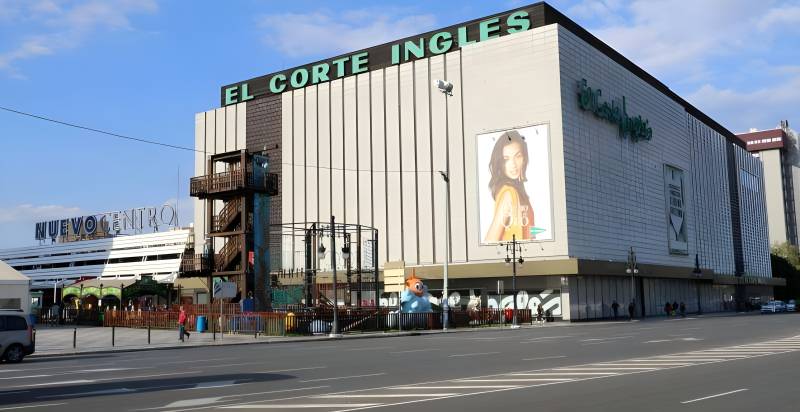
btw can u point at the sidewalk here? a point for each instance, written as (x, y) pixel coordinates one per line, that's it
(58, 341)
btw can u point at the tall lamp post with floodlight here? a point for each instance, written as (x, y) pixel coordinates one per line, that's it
(447, 90)
(632, 270)
(512, 260)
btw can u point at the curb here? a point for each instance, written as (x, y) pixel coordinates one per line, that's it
(293, 340)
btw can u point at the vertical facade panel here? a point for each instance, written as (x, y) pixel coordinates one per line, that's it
(365, 173)
(337, 151)
(287, 178)
(439, 157)
(408, 164)
(394, 196)
(324, 126)
(241, 126)
(312, 152)
(379, 154)
(456, 158)
(300, 153)
(351, 183)
(230, 127)
(422, 94)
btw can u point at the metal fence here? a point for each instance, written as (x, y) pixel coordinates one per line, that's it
(316, 320)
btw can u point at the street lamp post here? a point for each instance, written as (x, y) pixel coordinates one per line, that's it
(447, 90)
(632, 270)
(335, 326)
(512, 260)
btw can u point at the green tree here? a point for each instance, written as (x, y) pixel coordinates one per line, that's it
(786, 264)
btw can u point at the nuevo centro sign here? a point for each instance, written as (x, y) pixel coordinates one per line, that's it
(426, 45)
(109, 222)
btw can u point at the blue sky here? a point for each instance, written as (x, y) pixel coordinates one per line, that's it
(142, 68)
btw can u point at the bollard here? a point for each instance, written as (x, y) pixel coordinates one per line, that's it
(74, 338)
(113, 333)
(148, 334)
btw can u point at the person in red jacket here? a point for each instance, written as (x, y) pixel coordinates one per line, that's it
(182, 325)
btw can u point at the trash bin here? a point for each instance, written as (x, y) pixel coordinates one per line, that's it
(201, 324)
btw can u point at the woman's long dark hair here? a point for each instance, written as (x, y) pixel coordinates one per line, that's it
(497, 167)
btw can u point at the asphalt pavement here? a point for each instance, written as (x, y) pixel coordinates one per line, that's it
(732, 363)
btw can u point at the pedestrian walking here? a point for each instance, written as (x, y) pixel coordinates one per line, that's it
(182, 325)
(683, 310)
(668, 308)
(540, 314)
(631, 309)
(674, 307)
(615, 308)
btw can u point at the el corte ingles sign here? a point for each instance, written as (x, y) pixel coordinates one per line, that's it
(426, 45)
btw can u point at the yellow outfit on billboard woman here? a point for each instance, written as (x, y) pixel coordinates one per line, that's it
(517, 221)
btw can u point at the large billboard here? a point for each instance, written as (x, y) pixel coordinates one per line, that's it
(514, 193)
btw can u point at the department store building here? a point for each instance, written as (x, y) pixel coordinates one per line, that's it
(550, 137)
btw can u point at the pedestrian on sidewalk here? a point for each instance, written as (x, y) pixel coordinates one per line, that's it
(683, 310)
(668, 308)
(631, 309)
(540, 314)
(182, 325)
(674, 307)
(615, 308)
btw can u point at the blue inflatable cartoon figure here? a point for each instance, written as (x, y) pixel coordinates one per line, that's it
(415, 298)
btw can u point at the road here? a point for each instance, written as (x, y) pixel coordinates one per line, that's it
(694, 364)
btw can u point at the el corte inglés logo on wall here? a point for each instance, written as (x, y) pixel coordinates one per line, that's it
(634, 128)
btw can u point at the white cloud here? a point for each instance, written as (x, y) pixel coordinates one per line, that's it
(49, 26)
(33, 213)
(328, 33)
(781, 19)
(761, 108)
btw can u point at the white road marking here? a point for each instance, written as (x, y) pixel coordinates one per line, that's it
(32, 406)
(100, 392)
(344, 377)
(26, 377)
(294, 369)
(715, 396)
(413, 350)
(370, 348)
(301, 406)
(405, 388)
(544, 357)
(658, 341)
(381, 395)
(191, 402)
(56, 383)
(604, 339)
(604, 368)
(11, 370)
(473, 354)
(209, 385)
(644, 364)
(517, 380)
(567, 374)
(545, 338)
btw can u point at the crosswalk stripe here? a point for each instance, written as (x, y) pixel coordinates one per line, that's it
(382, 395)
(646, 364)
(566, 374)
(518, 380)
(405, 388)
(604, 368)
(301, 406)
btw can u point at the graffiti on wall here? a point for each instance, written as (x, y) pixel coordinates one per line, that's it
(549, 298)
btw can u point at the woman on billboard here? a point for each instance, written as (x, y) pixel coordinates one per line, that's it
(513, 214)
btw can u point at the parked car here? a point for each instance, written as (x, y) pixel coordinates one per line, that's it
(791, 306)
(16, 337)
(774, 306)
